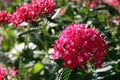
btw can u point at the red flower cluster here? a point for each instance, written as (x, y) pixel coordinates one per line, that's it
(20, 15)
(4, 17)
(44, 7)
(29, 12)
(78, 44)
(2, 73)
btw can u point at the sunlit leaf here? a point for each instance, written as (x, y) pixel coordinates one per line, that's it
(37, 67)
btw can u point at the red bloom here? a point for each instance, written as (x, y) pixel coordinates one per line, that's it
(45, 7)
(29, 12)
(78, 44)
(20, 15)
(4, 17)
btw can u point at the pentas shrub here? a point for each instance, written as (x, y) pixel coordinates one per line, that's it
(78, 44)
(4, 17)
(30, 12)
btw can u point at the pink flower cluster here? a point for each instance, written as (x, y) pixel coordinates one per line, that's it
(4, 17)
(3, 72)
(29, 12)
(78, 44)
(20, 15)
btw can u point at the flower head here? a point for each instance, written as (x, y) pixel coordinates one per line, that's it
(20, 15)
(4, 17)
(45, 7)
(78, 44)
(30, 12)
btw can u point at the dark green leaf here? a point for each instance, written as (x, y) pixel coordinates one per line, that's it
(66, 73)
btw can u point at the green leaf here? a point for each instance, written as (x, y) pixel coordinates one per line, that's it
(37, 67)
(66, 73)
(101, 18)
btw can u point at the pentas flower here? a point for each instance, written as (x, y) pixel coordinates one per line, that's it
(2, 73)
(4, 17)
(77, 45)
(20, 15)
(33, 11)
(45, 7)
(30, 12)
